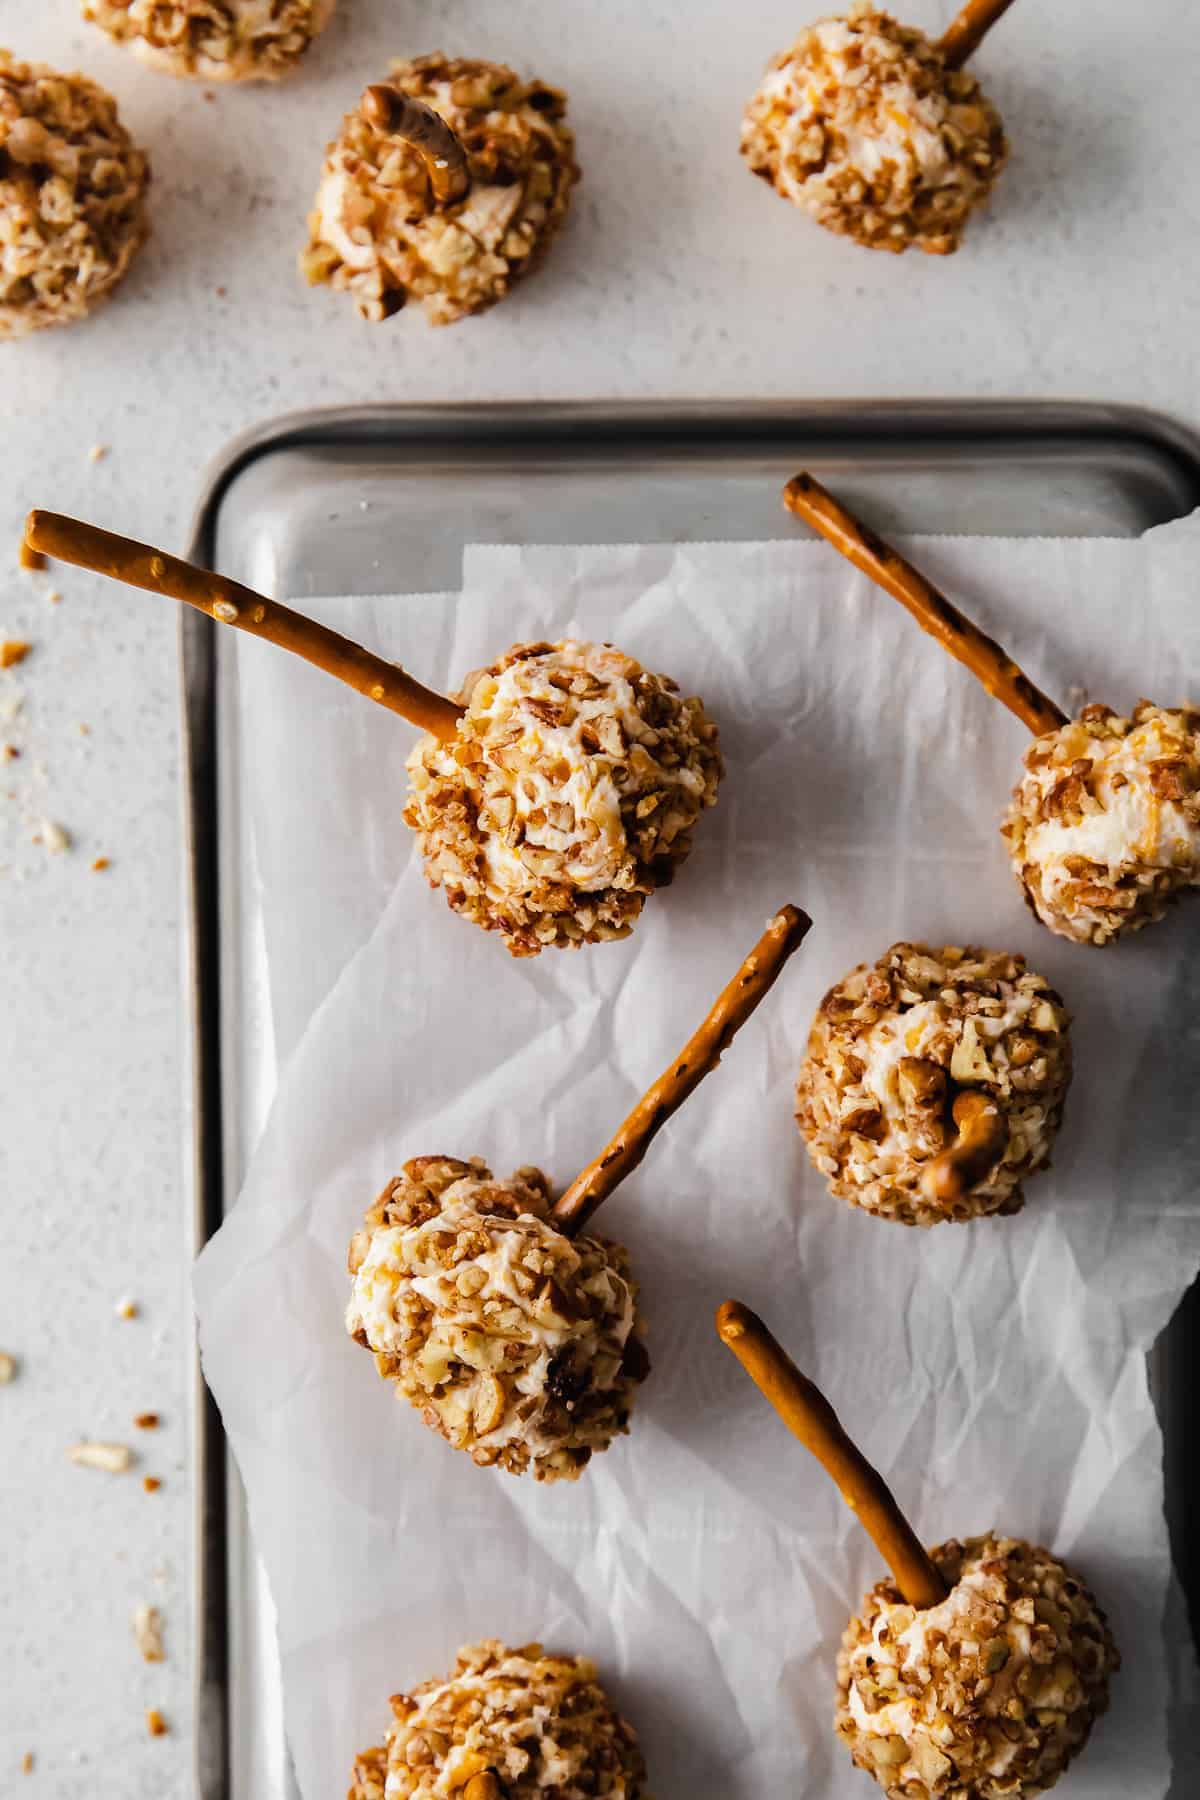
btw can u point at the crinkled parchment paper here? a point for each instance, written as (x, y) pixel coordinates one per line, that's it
(996, 1372)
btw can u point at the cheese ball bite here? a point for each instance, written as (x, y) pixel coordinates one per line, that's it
(893, 1048)
(214, 40)
(507, 1725)
(518, 1344)
(73, 188)
(569, 794)
(863, 125)
(378, 230)
(986, 1696)
(1104, 826)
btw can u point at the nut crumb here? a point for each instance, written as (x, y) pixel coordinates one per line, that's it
(101, 863)
(9, 753)
(55, 837)
(151, 1483)
(156, 1725)
(126, 1309)
(31, 559)
(97, 453)
(8, 1368)
(12, 652)
(147, 1629)
(27, 1763)
(113, 1458)
(148, 1421)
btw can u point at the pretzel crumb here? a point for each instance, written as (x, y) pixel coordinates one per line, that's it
(8, 1368)
(126, 1309)
(9, 753)
(27, 1763)
(113, 1458)
(101, 863)
(30, 559)
(148, 1421)
(156, 1725)
(147, 1630)
(13, 651)
(97, 453)
(151, 1483)
(54, 597)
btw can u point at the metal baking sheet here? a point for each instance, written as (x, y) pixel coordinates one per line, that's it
(383, 499)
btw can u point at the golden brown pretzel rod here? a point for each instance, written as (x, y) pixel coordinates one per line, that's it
(964, 34)
(397, 113)
(806, 1412)
(72, 541)
(702, 1052)
(982, 1134)
(987, 661)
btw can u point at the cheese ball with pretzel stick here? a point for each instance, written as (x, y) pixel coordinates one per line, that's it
(989, 1693)
(515, 1335)
(214, 40)
(507, 1725)
(73, 190)
(451, 209)
(865, 125)
(1104, 826)
(934, 1083)
(568, 795)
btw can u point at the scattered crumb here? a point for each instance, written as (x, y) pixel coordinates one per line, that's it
(113, 1458)
(8, 1368)
(12, 652)
(151, 1483)
(209, 95)
(126, 1309)
(85, 731)
(54, 597)
(101, 863)
(156, 1725)
(27, 1763)
(98, 452)
(56, 838)
(147, 1629)
(147, 1421)
(9, 753)
(221, 293)
(31, 559)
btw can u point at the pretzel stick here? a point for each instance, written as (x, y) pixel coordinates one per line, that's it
(990, 664)
(702, 1052)
(964, 34)
(414, 123)
(806, 1412)
(70, 540)
(982, 1134)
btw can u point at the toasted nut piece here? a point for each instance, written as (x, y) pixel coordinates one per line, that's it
(147, 1629)
(114, 1458)
(489, 1404)
(148, 1421)
(156, 1725)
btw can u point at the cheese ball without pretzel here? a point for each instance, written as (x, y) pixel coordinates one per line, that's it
(987, 1696)
(378, 230)
(73, 190)
(1104, 825)
(892, 1049)
(862, 125)
(516, 1343)
(507, 1725)
(569, 794)
(214, 40)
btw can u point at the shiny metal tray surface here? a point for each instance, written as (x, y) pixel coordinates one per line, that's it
(384, 499)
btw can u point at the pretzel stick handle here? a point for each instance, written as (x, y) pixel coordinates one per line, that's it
(987, 661)
(445, 159)
(982, 1134)
(122, 559)
(702, 1052)
(967, 30)
(809, 1416)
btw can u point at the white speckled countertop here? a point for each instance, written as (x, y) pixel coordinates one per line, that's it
(679, 277)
